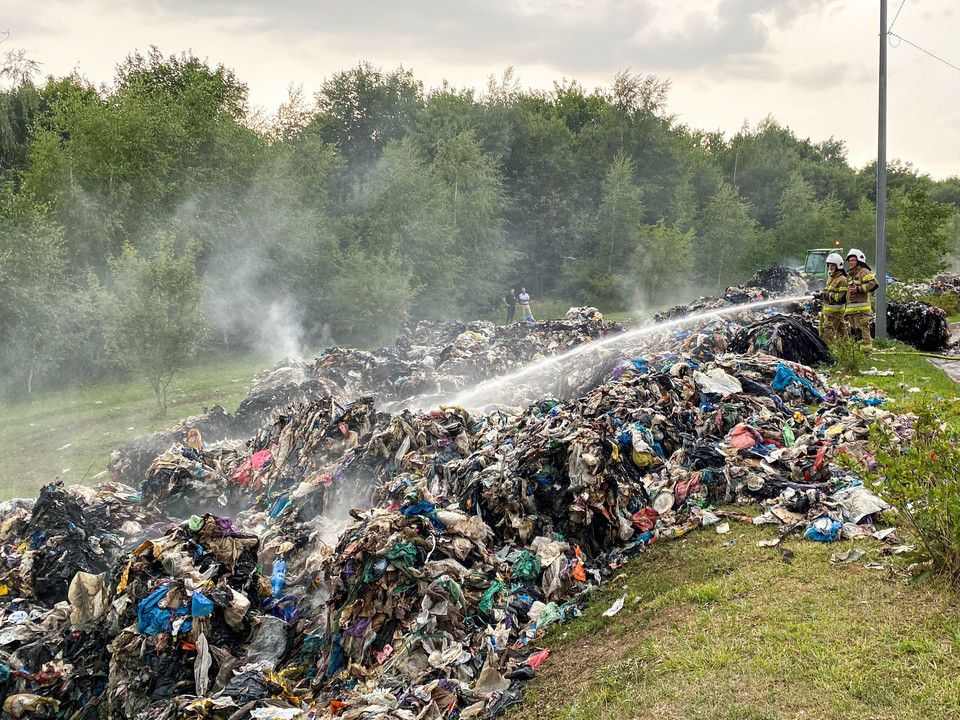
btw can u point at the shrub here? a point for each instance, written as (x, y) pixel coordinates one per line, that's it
(849, 354)
(920, 481)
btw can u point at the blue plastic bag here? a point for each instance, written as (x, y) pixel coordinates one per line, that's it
(823, 530)
(787, 379)
(200, 605)
(152, 619)
(279, 577)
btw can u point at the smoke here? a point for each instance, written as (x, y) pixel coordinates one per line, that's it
(286, 330)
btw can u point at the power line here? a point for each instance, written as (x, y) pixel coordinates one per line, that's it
(897, 15)
(935, 57)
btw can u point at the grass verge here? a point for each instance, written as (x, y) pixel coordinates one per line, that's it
(70, 432)
(716, 627)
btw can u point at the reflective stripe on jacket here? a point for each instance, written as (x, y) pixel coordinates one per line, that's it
(835, 293)
(866, 282)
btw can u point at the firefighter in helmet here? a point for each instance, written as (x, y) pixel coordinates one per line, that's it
(860, 283)
(833, 323)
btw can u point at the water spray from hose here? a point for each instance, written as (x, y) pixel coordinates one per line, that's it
(484, 392)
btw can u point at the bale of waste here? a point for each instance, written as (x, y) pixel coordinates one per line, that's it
(785, 337)
(779, 278)
(919, 324)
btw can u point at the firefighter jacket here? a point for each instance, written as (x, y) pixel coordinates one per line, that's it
(834, 295)
(866, 283)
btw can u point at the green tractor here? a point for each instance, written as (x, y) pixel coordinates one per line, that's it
(814, 270)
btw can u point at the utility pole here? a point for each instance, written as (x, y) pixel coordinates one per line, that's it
(881, 319)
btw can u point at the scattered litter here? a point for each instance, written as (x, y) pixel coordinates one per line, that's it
(723, 528)
(615, 608)
(879, 373)
(847, 556)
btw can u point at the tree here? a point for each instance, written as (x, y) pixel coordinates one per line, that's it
(727, 243)
(32, 276)
(403, 213)
(370, 295)
(620, 215)
(802, 222)
(859, 228)
(475, 201)
(154, 325)
(661, 259)
(363, 109)
(919, 251)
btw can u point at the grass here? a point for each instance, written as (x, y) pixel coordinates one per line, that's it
(716, 627)
(915, 378)
(69, 433)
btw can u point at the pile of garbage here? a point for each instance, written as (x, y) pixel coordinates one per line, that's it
(781, 279)
(945, 283)
(438, 359)
(783, 336)
(923, 326)
(347, 562)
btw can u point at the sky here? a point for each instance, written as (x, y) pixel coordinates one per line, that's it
(811, 64)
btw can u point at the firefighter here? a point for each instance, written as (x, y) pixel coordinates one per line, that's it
(833, 324)
(860, 283)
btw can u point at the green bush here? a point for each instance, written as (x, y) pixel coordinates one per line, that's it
(849, 355)
(950, 302)
(919, 479)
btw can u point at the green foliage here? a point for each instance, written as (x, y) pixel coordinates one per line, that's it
(803, 222)
(661, 259)
(404, 214)
(620, 215)
(728, 239)
(599, 197)
(859, 228)
(919, 480)
(154, 325)
(848, 354)
(920, 250)
(370, 294)
(40, 309)
(363, 109)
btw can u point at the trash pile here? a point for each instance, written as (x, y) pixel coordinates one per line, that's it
(347, 562)
(918, 324)
(945, 283)
(732, 296)
(784, 336)
(289, 383)
(780, 279)
(438, 359)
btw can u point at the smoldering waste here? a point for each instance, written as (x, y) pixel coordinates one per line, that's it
(363, 564)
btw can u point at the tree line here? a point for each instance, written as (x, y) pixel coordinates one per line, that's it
(159, 216)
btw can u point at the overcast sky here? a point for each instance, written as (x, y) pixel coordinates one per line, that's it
(812, 64)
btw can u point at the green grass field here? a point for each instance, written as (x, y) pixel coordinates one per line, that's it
(69, 433)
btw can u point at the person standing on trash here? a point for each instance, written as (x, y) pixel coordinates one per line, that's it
(860, 283)
(833, 323)
(510, 300)
(525, 304)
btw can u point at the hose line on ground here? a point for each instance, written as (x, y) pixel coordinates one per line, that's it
(918, 352)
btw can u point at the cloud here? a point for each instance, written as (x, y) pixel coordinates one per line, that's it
(573, 36)
(826, 76)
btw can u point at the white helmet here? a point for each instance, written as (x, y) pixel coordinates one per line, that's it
(857, 254)
(835, 258)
